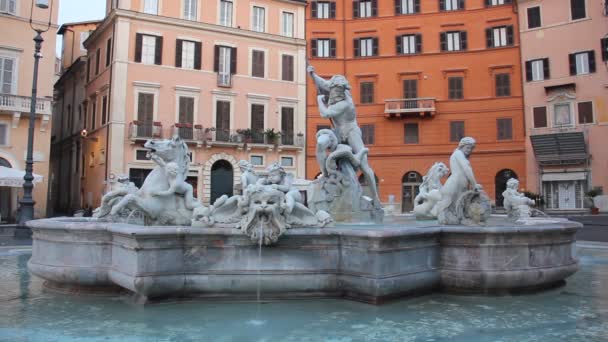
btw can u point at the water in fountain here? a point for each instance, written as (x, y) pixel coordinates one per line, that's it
(257, 320)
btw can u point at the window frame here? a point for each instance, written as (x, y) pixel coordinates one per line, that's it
(578, 112)
(293, 161)
(540, 17)
(261, 156)
(264, 52)
(7, 133)
(452, 137)
(405, 135)
(14, 72)
(369, 97)
(505, 137)
(505, 90)
(364, 128)
(221, 18)
(254, 27)
(145, 8)
(283, 24)
(453, 92)
(546, 112)
(185, 10)
(8, 8)
(584, 9)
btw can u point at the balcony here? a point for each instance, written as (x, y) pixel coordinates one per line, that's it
(399, 108)
(139, 131)
(224, 80)
(18, 105)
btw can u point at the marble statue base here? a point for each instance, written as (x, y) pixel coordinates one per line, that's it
(371, 264)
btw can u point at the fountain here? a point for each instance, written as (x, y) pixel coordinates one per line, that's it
(158, 241)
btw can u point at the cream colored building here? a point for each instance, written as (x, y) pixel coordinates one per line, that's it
(16, 71)
(217, 72)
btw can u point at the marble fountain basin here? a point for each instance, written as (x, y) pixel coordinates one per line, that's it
(370, 263)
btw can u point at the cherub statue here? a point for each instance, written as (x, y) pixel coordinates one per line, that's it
(430, 191)
(177, 185)
(248, 175)
(280, 180)
(515, 203)
(125, 187)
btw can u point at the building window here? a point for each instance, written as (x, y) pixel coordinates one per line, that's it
(365, 8)
(148, 49)
(222, 121)
(258, 22)
(540, 117)
(257, 63)
(577, 8)
(582, 63)
(366, 47)
(410, 91)
(257, 123)
(411, 133)
(407, 6)
(8, 6)
(504, 129)
(145, 114)
(93, 115)
(537, 70)
(287, 126)
(3, 134)
(366, 92)
(368, 133)
(188, 54)
(534, 17)
(287, 161)
(224, 60)
(320, 127)
(323, 10)
(287, 71)
(497, 2)
(97, 60)
(151, 7)
(561, 115)
(499, 36)
(409, 44)
(453, 41)
(451, 5)
(287, 24)
(503, 85)
(324, 48)
(257, 160)
(604, 45)
(456, 131)
(190, 9)
(585, 112)
(455, 88)
(104, 110)
(186, 116)
(108, 51)
(7, 75)
(226, 13)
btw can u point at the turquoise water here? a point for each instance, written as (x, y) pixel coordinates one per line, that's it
(576, 312)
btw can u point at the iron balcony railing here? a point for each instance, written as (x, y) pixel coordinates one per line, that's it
(412, 105)
(224, 80)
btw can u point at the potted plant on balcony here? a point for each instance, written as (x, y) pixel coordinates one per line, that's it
(247, 133)
(590, 196)
(272, 136)
(198, 132)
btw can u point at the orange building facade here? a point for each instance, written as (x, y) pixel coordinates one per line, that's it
(423, 74)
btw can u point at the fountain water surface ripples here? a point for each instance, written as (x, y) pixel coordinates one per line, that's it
(577, 311)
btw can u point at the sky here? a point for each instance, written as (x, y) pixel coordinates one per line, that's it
(79, 10)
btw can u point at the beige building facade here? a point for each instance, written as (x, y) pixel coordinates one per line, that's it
(16, 73)
(225, 76)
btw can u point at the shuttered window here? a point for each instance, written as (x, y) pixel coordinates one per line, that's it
(104, 110)
(148, 49)
(257, 123)
(585, 112)
(8, 6)
(409, 44)
(504, 129)
(186, 116)
(366, 47)
(365, 8)
(287, 127)
(451, 5)
(407, 6)
(324, 48)
(287, 71)
(7, 75)
(537, 70)
(411, 133)
(577, 8)
(499, 36)
(323, 9)
(108, 51)
(453, 40)
(97, 60)
(540, 117)
(188, 54)
(145, 114)
(455, 88)
(503, 85)
(456, 130)
(410, 89)
(368, 132)
(224, 61)
(367, 92)
(222, 121)
(534, 17)
(582, 63)
(490, 3)
(257, 63)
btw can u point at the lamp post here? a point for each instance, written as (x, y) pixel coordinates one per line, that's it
(27, 202)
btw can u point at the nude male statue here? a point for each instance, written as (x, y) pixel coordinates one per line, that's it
(462, 175)
(340, 109)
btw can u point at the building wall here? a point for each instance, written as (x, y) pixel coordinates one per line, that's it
(556, 38)
(125, 78)
(390, 157)
(20, 46)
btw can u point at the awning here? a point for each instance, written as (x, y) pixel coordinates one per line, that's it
(567, 148)
(563, 176)
(14, 178)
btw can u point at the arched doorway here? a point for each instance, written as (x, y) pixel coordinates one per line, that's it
(5, 196)
(221, 179)
(411, 187)
(500, 183)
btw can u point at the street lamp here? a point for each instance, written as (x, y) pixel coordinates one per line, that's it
(27, 202)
